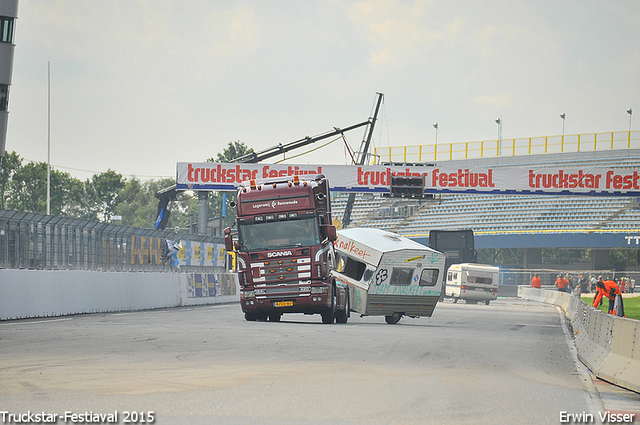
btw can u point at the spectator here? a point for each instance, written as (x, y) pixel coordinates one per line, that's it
(583, 284)
(562, 284)
(592, 283)
(536, 281)
(632, 285)
(623, 284)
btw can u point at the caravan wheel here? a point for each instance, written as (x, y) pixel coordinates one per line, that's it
(393, 319)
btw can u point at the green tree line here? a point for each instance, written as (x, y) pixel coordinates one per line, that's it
(23, 187)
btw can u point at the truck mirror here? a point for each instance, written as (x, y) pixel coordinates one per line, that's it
(228, 241)
(331, 233)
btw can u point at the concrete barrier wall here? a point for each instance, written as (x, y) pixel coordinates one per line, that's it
(606, 344)
(44, 293)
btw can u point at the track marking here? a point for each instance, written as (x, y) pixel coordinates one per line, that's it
(35, 322)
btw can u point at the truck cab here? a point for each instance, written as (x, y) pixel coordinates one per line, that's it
(284, 249)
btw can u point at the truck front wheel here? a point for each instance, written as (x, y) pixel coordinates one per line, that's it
(342, 316)
(275, 317)
(329, 316)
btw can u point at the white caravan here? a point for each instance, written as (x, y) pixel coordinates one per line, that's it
(472, 283)
(387, 274)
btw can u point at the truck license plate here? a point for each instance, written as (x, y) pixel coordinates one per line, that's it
(283, 303)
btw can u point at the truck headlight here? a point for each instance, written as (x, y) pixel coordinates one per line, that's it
(247, 294)
(318, 289)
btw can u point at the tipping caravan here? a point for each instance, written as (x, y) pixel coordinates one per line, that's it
(387, 274)
(472, 283)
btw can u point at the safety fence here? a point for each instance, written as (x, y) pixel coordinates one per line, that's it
(548, 276)
(510, 147)
(606, 344)
(46, 242)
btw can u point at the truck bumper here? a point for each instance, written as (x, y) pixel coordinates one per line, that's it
(309, 304)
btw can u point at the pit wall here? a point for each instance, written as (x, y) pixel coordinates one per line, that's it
(45, 293)
(606, 344)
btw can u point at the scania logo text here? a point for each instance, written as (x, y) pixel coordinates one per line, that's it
(279, 254)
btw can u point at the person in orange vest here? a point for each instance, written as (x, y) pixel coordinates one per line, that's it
(562, 284)
(536, 282)
(609, 289)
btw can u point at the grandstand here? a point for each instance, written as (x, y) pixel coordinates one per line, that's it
(503, 220)
(493, 213)
(497, 213)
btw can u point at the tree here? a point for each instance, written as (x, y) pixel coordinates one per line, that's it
(10, 164)
(24, 188)
(138, 204)
(28, 189)
(232, 151)
(107, 186)
(82, 201)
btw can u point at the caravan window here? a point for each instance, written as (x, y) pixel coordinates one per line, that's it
(401, 276)
(351, 268)
(479, 279)
(429, 277)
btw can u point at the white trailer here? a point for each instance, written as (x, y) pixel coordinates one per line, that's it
(472, 283)
(387, 274)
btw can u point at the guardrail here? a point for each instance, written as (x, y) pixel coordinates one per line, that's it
(510, 147)
(606, 344)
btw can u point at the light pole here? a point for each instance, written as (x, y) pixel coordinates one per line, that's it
(436, 148)
(563, 116)
(49, 138)
(436, 127)
(629, 111)
(499, 122)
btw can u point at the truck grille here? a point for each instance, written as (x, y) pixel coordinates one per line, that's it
(276, 271)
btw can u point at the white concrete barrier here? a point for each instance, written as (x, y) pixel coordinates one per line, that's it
(43, 293)
(606, 344)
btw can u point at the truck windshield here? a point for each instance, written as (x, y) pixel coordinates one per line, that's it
(279, 234)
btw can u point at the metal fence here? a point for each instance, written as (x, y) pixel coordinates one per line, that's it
(511, 276)
(46, 242)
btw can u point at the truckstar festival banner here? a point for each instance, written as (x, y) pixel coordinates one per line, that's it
(377, 178)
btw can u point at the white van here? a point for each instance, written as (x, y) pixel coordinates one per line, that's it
(387, 274)
(472, 283)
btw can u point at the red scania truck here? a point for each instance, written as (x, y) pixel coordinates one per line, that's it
(284, 250)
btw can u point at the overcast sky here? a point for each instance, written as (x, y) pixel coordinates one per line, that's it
(137, 86)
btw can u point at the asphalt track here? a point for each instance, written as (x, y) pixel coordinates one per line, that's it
(507, 363)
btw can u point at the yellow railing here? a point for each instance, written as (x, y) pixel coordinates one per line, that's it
(510, 147)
